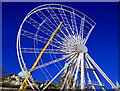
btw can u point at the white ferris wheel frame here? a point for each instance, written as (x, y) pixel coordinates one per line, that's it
(80, 57)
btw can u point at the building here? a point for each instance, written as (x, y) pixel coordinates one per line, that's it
(14, 81)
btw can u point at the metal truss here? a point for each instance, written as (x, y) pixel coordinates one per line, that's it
(60, 32)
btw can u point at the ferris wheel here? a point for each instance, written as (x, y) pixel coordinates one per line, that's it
(51, 45)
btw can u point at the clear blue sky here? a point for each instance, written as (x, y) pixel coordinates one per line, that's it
(102, 44)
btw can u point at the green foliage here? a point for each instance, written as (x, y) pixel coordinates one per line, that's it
(8, 85)
(3, 71)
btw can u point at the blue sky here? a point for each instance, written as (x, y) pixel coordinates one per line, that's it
(102, 43)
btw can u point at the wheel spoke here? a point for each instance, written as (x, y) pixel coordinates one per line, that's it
(38, 50)
(40, 38)
(60, 72)
(35, 37)
(54, 61)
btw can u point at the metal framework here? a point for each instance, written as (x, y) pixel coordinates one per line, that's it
(60, 32)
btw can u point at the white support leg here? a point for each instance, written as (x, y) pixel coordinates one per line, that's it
(71, 74)
(90, 80)
(65, 80)
(82, 71)
(59, 72)
(96, 75)
(78, 65)
(102, 73)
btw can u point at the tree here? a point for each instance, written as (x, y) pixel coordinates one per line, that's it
(3, 71)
